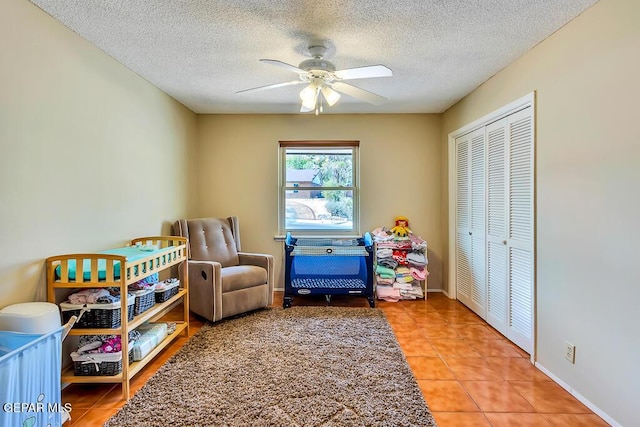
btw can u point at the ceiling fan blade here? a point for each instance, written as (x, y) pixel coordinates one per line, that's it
(304, 109)
(361, 94)
(364, 72)
(283, 65)
(291, 83)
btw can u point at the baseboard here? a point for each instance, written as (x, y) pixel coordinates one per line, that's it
(278, 289)
(599, 412)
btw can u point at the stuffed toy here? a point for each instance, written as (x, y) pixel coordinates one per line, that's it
(402, 227)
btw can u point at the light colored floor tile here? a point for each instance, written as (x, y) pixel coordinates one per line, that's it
(446, 396)
(93, 417)
(439, 331)
(429, 368)
(497, 396)
(417, 346)
(494, 348)
(575, 420)
(460, 419)
(514, 419)
(477, 332)
(517, 369)
(549, 398)
(472, 368)
(454, 347)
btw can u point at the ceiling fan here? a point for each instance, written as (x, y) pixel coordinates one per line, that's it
(324, 82)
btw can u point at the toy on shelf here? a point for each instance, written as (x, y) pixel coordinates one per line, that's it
(402, 227)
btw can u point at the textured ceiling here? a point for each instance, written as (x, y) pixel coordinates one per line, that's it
(201, 52)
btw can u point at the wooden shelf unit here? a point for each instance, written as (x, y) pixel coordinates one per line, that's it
(102, 272)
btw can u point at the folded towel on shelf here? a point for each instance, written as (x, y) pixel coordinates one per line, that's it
(381, 234)
(416, 258)
(88, 296)
(403, 270)
(385, 280)
(388, 293)
(384, 253)
(167, 284)
(385, 271)
(419, 273)
(146, 283)
(387, 262)
(400, 256)
(418, 244)
(414, 293)
(94, 342)
(408, 278)
(403, 286)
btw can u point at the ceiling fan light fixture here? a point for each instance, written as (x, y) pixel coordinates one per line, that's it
(309, 96)
(330, 95)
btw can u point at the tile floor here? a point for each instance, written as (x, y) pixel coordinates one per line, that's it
(469, 374)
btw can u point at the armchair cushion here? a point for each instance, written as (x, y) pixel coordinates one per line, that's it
(242, 277)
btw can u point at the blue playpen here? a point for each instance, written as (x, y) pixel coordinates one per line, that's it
(321, 266)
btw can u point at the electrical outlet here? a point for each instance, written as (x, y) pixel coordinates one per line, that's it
(570, 352)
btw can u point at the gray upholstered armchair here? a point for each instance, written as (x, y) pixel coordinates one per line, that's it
(223, 281)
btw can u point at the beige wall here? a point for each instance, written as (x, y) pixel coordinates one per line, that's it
(588, 175)
(399, 172)
(91, 154)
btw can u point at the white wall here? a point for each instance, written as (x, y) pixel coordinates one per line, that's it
(399, 172)
(92, 155)
(588, 205)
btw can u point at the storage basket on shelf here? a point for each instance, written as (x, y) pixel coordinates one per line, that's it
(165, 290)
(97, 315)
(144, 300)
(103, 364)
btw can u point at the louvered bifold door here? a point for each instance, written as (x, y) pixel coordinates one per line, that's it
(520, 221)
(497, 290)
(463, 221)
(478, 230)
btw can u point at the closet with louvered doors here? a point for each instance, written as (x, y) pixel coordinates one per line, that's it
(470, 218)
(510, 227)
(499, 192)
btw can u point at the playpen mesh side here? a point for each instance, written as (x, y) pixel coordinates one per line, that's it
(334, 283)
(330, 272)
(351, 251)
(30, 374)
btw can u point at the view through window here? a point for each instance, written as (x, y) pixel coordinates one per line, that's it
(318, 187)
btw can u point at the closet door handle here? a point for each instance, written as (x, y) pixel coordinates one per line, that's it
(504, 242)
(470, 233)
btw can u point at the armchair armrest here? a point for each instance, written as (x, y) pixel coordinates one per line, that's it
(261, 260)
(205, 286)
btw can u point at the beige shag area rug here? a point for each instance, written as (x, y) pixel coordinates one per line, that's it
(303, 366)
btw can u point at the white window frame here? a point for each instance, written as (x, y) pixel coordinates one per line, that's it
(283, 188)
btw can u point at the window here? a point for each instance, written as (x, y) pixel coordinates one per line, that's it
(318, 188)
